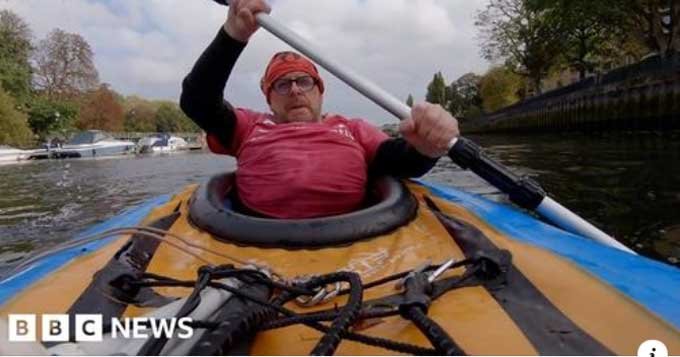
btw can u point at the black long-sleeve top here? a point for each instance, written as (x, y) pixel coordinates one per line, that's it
(202, 100)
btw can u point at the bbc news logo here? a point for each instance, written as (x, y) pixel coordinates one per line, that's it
(89, 327)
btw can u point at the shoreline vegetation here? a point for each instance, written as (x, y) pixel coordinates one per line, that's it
(50, 90)
(570, 65)
(556, 65)
(643, 96)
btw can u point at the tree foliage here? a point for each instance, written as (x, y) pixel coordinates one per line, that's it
(53, 88)
(463, 96)
(170, 118)
(599, 35)
(15, 50)
(656, 23)
(14, 128)
(140, 114)
(46, 116)
(409, 101)
(64, 65)
(100, 110)
(436, 90)
(589, 29)
(521, 35)
(498, 88)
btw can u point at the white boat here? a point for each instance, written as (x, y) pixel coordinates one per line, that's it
(161, 143)
(10, 154)
(93, 143)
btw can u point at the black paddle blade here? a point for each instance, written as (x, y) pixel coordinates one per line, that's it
(222, 2)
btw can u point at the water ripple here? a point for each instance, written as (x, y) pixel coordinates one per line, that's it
(628, 185)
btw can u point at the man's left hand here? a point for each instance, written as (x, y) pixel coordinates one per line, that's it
(430, 129)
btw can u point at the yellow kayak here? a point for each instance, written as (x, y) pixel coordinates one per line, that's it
(512, 285)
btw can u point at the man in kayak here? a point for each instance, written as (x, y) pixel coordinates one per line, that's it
(296, 162)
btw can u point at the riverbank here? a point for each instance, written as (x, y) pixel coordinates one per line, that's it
(643, 96)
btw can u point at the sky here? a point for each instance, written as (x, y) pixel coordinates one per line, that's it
(146, 47)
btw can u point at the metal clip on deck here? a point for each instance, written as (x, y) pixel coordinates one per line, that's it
(420, 269)
(442, 268)
(323, 293)
(431, 277)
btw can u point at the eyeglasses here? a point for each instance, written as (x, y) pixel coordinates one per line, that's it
(284, 85)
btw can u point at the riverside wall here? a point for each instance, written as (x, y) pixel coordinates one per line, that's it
(643, 96)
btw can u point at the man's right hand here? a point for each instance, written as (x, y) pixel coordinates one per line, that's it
(241, 23)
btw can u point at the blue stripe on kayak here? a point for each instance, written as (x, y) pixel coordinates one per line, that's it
(19, 281)
(651, 283)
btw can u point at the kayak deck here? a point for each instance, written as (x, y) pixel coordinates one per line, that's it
(597, 315)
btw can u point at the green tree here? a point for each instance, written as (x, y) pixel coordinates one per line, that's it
(15, 50)
(171, 119)
(498, 88)
(14, 128)
(656, 23)
(140, 114)
(409, 101)
(436, 90)
(587, 32)
(463, 96)
(523, 36)
(46, 116)
(596, 34)
(618, 28)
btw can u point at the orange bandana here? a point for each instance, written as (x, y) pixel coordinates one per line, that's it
(283, 63)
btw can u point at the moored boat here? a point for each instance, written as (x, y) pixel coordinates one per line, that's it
(9, 154)
(161, 143)
(502, 282)
(92, 143)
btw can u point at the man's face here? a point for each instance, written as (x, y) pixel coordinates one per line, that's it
(293, 101)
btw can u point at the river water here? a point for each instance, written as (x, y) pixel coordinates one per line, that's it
(627, 184)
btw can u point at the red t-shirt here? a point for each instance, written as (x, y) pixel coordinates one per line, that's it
(301, 170)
